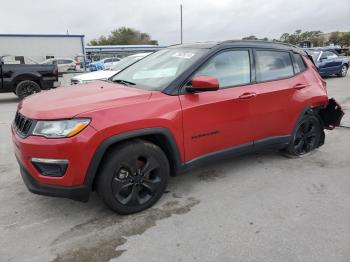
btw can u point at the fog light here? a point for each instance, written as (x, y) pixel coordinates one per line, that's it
(50, 167)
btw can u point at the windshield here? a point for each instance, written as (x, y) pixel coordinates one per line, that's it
(125, 62)
(314, 54)
(158, 70)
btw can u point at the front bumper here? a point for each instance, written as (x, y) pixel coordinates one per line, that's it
(79, 193)
(70, 183)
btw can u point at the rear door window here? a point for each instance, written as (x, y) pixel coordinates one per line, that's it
(273, 65)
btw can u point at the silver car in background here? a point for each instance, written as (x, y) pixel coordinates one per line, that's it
(63, 64)
(105, 74)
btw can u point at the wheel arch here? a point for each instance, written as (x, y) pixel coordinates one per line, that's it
(311, 110)
(28, 76)
(162, 137)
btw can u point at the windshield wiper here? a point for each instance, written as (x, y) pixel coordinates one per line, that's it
(124, 82)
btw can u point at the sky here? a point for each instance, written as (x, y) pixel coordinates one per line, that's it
(204, 20)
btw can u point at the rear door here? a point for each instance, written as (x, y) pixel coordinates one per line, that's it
(275, 88)
(217, 120)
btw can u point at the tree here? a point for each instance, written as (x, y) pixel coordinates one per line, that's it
(284, 37)
(298, 36)
(125, 36)
(334, 38)
(253, 37)
(345, 39)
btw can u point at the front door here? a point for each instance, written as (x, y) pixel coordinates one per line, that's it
(218, 120)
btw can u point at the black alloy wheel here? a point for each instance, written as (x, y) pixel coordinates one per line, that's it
(133, 176)
(26, 88)
(137, 181)
(306, 137)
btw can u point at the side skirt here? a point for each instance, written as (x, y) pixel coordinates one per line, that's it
(277, 142)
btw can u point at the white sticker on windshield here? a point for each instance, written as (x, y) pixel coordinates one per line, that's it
(156, 73)
(183, 55)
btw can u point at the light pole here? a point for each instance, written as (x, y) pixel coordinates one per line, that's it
(181, 22)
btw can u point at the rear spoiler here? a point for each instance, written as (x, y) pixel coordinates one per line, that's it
(332, 114)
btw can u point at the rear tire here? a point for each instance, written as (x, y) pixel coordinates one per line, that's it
(133, 177)
(26, 88)
(343, 71)
(307, 136)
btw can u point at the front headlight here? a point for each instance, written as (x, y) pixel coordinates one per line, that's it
(60, 128)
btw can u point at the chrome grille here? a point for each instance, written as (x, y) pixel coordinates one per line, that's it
(22, 124)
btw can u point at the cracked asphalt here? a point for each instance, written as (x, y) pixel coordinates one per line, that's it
(259, 207)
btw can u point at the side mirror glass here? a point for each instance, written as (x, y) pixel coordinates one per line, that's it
(202, 84)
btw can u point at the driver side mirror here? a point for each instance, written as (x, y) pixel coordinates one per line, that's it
(202, 84)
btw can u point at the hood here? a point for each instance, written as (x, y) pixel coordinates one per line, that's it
(67, 102)
(103, 74)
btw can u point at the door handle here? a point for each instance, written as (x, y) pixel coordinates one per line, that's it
(300, 86)
(247, 95)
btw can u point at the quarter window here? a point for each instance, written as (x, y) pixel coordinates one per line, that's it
(273, 65)
(299, 65)
(231, 68)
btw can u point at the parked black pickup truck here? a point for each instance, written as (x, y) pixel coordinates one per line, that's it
(25, 79)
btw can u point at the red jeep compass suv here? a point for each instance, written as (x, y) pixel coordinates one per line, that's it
(178, 107)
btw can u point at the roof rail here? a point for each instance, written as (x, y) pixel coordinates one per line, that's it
(259, 41)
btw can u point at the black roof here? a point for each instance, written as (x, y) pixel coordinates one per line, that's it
(243, 43)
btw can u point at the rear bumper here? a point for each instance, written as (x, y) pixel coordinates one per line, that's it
(79, 193)
(332, 114)
(49, 82)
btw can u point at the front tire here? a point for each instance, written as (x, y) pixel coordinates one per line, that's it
(343, 71)
(133, 177)
(306, 137)
(26, 88)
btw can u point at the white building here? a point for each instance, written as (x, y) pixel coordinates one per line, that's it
(35, 48)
